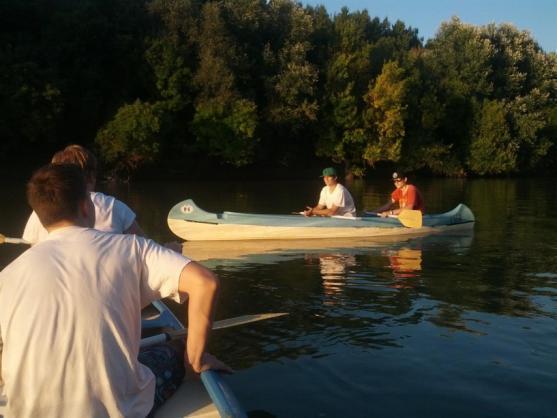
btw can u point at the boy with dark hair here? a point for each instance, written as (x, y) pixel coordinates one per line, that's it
(56, 194)
(70, 310)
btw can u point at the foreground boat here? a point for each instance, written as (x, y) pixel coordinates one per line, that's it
(191, 223)
(209, 397)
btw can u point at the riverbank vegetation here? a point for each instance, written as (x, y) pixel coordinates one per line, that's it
(252, 83)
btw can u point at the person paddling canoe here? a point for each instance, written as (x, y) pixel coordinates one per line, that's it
(334, 199)
(70, 312)
(405, 196)
(111, 215)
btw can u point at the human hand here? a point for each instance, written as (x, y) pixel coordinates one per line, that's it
(308, 211)
(208, 362)
(383, 214)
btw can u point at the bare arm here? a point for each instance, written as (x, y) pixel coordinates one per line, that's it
(323, 211)
(202, 288)
(387, 206)
(320, 210)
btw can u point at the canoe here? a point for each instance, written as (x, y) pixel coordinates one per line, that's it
(191, 223)
(208, 397)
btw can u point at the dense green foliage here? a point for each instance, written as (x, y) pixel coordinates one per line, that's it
(253, 82)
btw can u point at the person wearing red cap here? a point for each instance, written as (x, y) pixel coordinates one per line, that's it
(405, 196)
(334, 200)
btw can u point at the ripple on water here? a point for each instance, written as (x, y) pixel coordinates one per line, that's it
(545, 275)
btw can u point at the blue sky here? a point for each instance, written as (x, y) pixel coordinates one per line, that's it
(539, 17)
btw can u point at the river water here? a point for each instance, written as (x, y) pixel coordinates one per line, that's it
(449, 325)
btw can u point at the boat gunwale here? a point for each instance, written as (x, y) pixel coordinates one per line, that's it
(198, 215)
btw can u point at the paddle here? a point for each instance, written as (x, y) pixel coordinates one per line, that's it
(8, 240)
(410, 218)
(225, 323)
(407, 217)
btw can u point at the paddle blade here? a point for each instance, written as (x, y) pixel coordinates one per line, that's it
(410, 218)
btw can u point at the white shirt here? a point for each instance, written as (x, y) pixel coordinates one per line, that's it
(339, 197)
(70, 320)
(111, 215)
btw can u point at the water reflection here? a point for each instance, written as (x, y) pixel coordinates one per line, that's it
(228, 250)
(405, 263)
(353, 295)
(334, 269)
(473, 315)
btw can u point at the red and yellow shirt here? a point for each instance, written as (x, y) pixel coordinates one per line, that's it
(409, 198)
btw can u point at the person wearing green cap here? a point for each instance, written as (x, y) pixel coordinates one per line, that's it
(334, 200)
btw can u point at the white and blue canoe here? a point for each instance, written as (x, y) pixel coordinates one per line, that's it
(208, 397)
(191, 223)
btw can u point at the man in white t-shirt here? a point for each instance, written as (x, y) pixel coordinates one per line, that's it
(111, 215)
(334, 200)
(70, 310)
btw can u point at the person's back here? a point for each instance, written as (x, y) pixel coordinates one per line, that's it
(78, 320)
(111, 215)
(70, 312)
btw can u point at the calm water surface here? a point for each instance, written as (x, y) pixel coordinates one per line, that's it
(452, 325)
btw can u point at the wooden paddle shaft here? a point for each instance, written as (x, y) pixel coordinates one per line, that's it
(8, 240)
(225, 323)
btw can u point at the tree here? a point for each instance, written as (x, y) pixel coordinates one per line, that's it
(347, 75)
(458, 60)
(293, 92)
(131, 138)
(492, 150)
(226, 132)
(224, 122)
(530, 121)
(386, 115)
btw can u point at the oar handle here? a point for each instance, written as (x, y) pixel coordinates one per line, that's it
(16, 241)
(9, 240)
